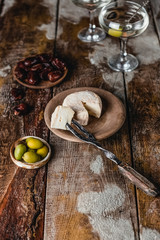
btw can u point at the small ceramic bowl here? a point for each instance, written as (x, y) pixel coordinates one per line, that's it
(22, 163)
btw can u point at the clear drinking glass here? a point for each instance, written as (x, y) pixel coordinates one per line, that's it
(93, 33)
(125, 21)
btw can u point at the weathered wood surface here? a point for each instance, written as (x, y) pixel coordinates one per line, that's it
(22, 197)
(144, 98)
(85, 197)
(90, 68)
(156, 15)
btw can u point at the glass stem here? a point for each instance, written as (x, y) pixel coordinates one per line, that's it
(123, 49)
(92, 25)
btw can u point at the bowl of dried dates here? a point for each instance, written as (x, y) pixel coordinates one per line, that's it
(40, 71)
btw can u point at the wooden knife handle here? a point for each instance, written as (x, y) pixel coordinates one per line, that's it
(138, 180)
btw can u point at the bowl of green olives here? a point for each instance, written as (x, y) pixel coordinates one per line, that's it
(30, 152)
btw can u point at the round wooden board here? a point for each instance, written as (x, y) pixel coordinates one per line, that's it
(111, 120)
(42, 84)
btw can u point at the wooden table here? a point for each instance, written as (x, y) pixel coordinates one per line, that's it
(79, 194)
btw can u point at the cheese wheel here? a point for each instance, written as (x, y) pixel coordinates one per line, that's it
(84, 103)
(61, 116)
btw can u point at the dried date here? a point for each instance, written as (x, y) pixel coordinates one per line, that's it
(58, 64)
(54, 76)
(44, 57)
(20, 73)
(37, 67)
(32, 78)
(17, 93)
(21, 109)
(44, 74)
(30, 61)
(22, 66)
(46, 65)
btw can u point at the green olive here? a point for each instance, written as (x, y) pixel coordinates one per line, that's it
(19, 151)
(34, 143)
(31, 150)
(27, 139)
(43, 151)
(31, 157)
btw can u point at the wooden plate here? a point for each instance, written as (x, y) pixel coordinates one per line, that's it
(111, 120)
(24, 164)
(42, 84)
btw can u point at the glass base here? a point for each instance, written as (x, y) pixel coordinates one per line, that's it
(86, 35)
(128, 65)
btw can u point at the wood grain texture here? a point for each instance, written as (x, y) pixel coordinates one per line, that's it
(22, 197)
(86, 198)
(144, 97)
(145, 134)
(72, 177)
(156, 15)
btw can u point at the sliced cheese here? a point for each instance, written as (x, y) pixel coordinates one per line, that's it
(61, 116)
(84, 103)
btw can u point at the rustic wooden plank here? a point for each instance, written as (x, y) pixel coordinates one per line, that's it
(145, 128)
(143, 94)
(1, 5)
(22, 198)
(72, 187)
(86, 197)
(156, 15)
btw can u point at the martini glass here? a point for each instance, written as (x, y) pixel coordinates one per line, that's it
(93, 33)
(125, 21)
